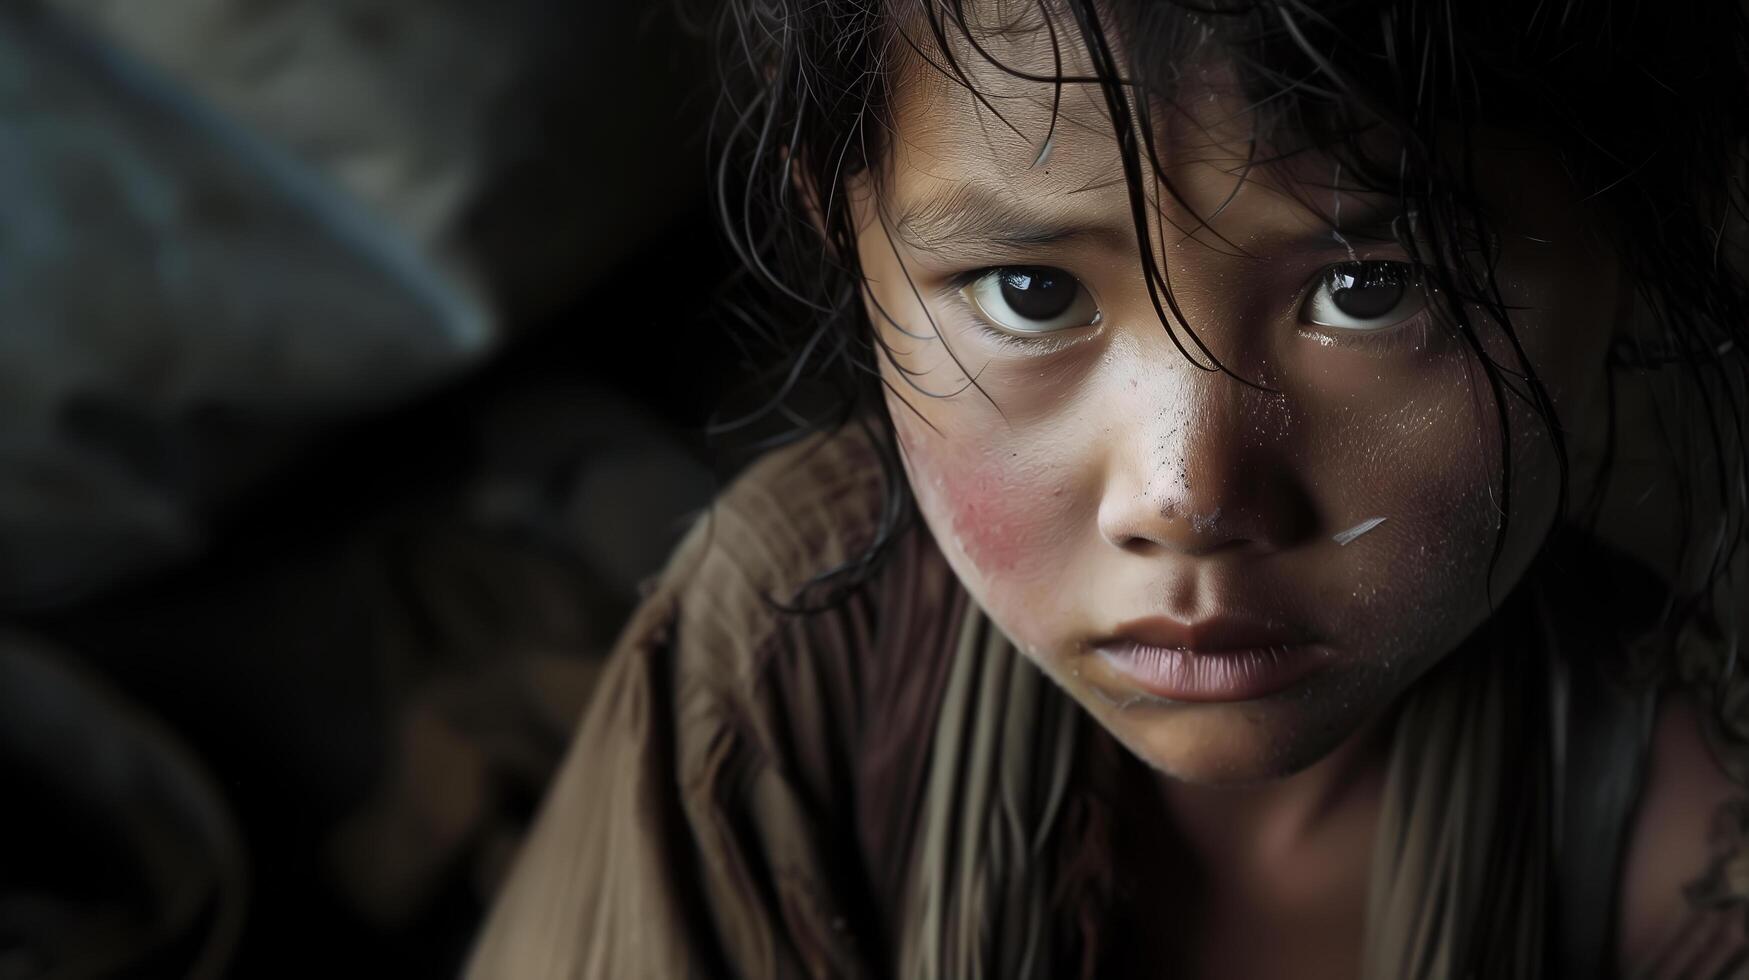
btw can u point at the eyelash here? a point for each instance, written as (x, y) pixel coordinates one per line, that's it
(1412, 334)
(1039, 346)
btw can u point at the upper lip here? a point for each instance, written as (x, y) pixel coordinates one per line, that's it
(1211, 635)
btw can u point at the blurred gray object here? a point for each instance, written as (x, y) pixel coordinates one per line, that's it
(528, 145)
(390, 98)
(232, 225)
(184, 305)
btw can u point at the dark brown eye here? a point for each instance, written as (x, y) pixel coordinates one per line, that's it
(1032, 299)
(1038, 293)
(1364, 296)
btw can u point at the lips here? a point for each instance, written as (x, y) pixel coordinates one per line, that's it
(1212, 660)
(1211, 635)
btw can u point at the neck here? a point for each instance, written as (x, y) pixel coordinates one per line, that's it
(1257, 826)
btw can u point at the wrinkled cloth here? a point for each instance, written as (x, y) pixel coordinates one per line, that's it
(884, 788)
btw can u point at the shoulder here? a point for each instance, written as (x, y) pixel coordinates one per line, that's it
(746, 647)
(699, 825)
(1682, 895)
(791, 515)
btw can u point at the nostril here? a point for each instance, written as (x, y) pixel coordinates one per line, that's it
(1216, 546)
(1194, 545)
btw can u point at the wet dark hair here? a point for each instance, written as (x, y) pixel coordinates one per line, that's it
(1645, 106)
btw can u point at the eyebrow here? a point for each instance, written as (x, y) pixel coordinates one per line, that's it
(974, 217)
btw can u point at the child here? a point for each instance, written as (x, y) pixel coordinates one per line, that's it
(1266, 376)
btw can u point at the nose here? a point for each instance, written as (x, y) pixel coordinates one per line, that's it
(1206, 470)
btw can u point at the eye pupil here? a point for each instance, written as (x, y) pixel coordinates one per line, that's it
(1368, 291)
(1038, 293)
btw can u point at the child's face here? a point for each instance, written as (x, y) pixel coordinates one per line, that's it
(1081, 474)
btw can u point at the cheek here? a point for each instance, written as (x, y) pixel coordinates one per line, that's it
(1410, 442)
(1416, 586)
(988, 509)
(1009, 513)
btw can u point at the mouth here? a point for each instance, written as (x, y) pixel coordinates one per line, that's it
(1215, 660)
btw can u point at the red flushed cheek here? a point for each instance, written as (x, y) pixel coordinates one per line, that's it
(1009, 519)
(1010, 513)
(989, 519)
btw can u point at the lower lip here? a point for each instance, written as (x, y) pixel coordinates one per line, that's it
(1212, 675)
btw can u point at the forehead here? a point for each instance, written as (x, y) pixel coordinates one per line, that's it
(997, 124)
(1006, 112)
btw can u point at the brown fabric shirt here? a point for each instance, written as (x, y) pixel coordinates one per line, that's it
(741, 794)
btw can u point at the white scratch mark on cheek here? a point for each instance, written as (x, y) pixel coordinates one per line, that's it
(1357, 530)
(1044, 152)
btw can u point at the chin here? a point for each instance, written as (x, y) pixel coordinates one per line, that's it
(1234, 744)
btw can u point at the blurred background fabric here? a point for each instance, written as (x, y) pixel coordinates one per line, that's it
(183, 304)
(352, 378)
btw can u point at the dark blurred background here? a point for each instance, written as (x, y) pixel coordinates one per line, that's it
(354, 370)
